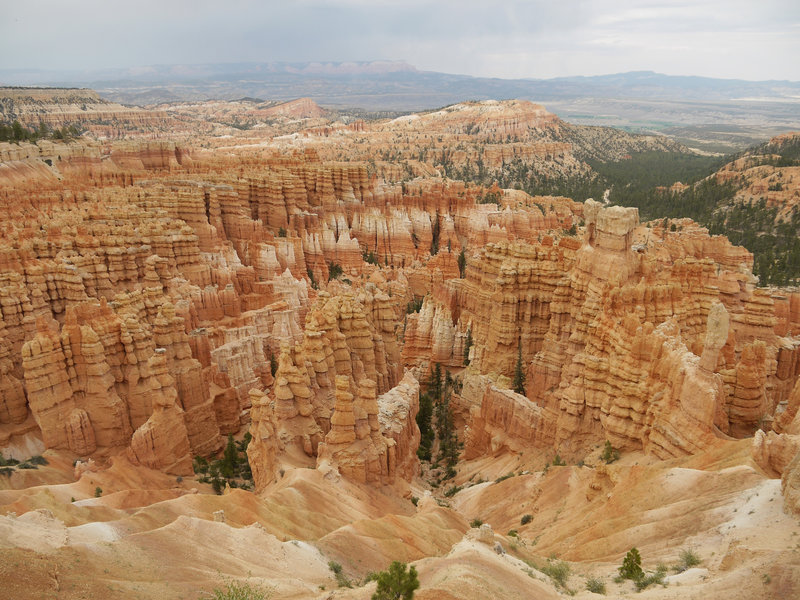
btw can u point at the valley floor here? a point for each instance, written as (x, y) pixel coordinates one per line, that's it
(151, 535)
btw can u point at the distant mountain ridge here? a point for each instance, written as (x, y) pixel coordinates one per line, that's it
(715, 115)
(389, 84)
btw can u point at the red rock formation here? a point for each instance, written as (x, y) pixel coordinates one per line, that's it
(506, 421)
(354, 444)
(162, 442)
(293, 408)
(397, 415)
(614, 346)
(263, 449)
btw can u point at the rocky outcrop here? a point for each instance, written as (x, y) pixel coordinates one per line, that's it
(355, 445)
(790, 485)
(507, 422)
(162, 441)
(70, 391)
(293, 407)
(224, 259)
(644, 348)
(397, 415)
(262, 451)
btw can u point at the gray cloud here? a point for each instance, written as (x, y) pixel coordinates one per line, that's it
(511, 38)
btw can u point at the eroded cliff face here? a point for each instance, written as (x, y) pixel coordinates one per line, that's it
(156, 296)
(221, 262)
(214, 273)
(640, 336)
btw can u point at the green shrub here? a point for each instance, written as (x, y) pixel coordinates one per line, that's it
(526, 519)
(489, 198)
(241, 590)
(475, 523)
(341, 579)
(369, 257)
(414, 306)
(396, 583)
(450, 492)
(98, 491)
(504, 477)
(273, 363)
(462, 264)
(467, 346)
(518, 385)
(512, 533)
(558, 571)
(335, 567)
(652, 578)
(334, 271)
(232, 469)
(314, 284)
(415, 500)
(596, 585)
(688, 559)
(610, 454)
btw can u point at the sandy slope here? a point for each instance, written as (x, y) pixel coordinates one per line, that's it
(149, 535)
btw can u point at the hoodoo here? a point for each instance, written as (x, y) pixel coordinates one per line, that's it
(272, 346)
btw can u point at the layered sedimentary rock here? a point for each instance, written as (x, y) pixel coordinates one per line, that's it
(775, 449)
(262, 451)
(70, 389)
(790, 484)
(354, 444)
(57, 107)
(352, 335)
(507, 421)
(397, 415)
(162, 441)
(293, 406)
(503, 301)
(634, 336)
(226, 258)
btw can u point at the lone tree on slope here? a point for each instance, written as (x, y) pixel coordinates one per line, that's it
(519, 373)
(396, 583)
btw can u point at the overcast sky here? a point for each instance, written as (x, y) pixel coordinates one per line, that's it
(747, 39)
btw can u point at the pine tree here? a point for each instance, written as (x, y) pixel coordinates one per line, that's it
(435, 383)
(435, 235)
(462, 264)
(273, 363)
(396, 583)
(230, 459)
(519, 373)
(426, 433)
(632, 566)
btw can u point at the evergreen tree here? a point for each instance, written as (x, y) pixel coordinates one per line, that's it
(396, 583)
(435, 235)
(632, 566)
(435, 383)
(273, 363)
(462, 264)
(230, 459)
(518, 384)
(426, 432)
